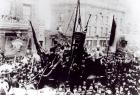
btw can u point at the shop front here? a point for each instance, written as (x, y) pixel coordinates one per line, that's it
(14, 41)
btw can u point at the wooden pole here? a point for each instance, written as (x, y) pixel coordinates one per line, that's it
(74, 30)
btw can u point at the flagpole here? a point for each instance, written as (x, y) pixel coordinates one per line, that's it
(71, 51)
(74, 29)
(87, 23)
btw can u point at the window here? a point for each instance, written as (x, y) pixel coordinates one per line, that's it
(45, 40)
(92, 31)
(103, 43)
(95, 30)
(116, 19)
(107, 19)
(87, 43)
(27, 11)
(102, 19)
(96, 17)
(106, 31)
(89, 30)
(90, 43)
(60, 17)
(101, 31)
(121, 21)
(94, 43)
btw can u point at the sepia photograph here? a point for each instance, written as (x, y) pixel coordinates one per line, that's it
(69, 47)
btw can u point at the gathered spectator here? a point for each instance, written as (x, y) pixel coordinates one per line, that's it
(98, 53)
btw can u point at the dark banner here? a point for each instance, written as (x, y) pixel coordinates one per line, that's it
(113, 32)
(79, 39)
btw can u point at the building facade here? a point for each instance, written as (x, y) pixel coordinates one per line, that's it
(16, 15)
(99, 28)
(14, 27)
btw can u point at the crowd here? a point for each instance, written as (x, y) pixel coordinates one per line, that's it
(121, 76)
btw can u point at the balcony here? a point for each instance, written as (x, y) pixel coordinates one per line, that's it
(9, 23)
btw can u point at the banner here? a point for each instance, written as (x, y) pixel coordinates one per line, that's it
(79, 39)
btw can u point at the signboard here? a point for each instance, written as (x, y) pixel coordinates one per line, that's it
(15, 45)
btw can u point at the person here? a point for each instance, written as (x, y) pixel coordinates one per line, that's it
(4, 86)
(98, 67)
(98, 53)
(61, 52)
(2, 54)
(2, 91)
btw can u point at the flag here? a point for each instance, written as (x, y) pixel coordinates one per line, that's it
(35, 39)
(112, 35)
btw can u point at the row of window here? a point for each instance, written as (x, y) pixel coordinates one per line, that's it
(102, 31)
(98, 24)
(93, 43)
(104, 20)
